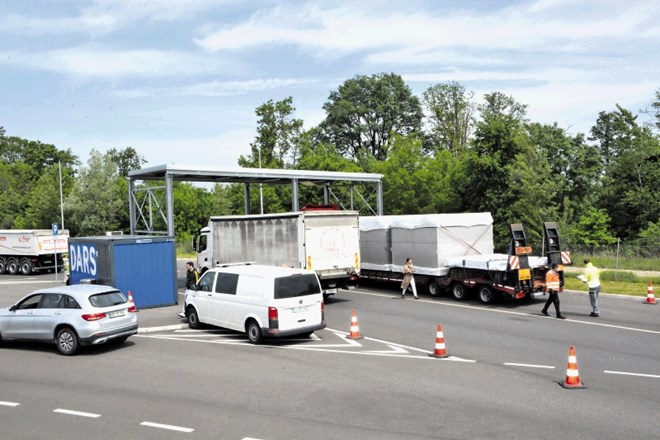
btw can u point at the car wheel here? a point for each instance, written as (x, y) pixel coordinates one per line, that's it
(459, 291)
(486, 295)
(12, 266)
(254, 332)
(67, 341)
(434, 288)
(25, 266)
(193, 318)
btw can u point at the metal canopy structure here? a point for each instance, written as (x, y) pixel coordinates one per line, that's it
(148, 203)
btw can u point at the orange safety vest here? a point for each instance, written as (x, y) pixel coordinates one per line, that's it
(551, 281)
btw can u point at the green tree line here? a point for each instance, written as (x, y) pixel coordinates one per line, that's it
(441, 152)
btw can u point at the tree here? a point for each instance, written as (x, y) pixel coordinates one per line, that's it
(363, 113)
(451, 115)
(278, 135)
(592, 228)
(44, 203)
(126, 159)
(96, 203)
(501, 147)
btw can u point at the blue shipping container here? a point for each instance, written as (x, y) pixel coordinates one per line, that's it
(145, 266)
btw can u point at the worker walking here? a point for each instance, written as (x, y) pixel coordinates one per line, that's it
(591, 278)
(408, 278)
(552, 287)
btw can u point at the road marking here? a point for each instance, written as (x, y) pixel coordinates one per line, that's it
(170, 427)
(7, 283)
(76, 413)
(632, 374)
(509, 312)
(513, 364)
(9, 404)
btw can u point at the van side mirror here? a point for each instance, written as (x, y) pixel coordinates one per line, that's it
(12, 308)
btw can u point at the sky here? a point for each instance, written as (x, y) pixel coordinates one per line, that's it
(179, 80)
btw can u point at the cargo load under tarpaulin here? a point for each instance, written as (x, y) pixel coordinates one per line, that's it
(430, 239)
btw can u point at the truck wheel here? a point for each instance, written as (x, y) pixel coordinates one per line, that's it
(12, 266)
(459, 291)
(434, 288)
(486, 295)
(25, 266)
(3, 265)
(254, 332)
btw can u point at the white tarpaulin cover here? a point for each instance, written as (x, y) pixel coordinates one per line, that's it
(429, 239)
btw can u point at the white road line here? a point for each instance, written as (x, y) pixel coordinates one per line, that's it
(170, 427)
(632, 374)
(509, 312)
(76, 413)
(9, 404)
(513, 364)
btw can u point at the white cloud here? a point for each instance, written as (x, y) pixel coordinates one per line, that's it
(101, 61)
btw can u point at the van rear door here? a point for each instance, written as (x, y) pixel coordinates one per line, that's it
(298, 299)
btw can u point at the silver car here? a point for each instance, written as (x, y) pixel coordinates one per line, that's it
(70, 316)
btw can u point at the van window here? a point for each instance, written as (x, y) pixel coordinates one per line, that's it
(296, 285)
(226, 283)
(205, 283)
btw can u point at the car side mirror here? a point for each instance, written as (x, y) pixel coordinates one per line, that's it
(12, 308)
(195, 287)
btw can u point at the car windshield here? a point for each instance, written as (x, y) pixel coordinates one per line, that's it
(296, 285)
(107, 299)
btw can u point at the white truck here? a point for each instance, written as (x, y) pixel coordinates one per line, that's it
(32, 250)
(325, 241)
(455, 253)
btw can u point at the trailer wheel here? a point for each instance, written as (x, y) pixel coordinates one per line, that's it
(486, 295)
(434, 288)
(3, 265)
(25, 266)
(12, 266)
(459, 291)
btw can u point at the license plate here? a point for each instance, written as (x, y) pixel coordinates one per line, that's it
(330, 291)
(116, 313)
(538, 294)
(299, 309)
(524, 274)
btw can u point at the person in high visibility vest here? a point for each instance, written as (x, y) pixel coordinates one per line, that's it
(552, 287)
(591, 278)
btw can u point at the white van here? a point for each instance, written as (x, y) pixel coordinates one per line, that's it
(263, 301)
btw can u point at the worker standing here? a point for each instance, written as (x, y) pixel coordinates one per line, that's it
(591, 278)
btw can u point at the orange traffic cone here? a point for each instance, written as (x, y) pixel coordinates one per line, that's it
(572, 374)
(131, 303)
(440, 351)
(355, 329)
(650, 297)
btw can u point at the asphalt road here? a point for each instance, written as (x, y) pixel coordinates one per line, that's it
(500, 381)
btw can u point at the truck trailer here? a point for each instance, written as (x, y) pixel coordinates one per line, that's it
(325, 241)
(32, 250)
(454, 253)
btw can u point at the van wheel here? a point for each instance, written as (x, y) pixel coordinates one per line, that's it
(193, 318)
(67, 341)
(459, 291)
(254, 332)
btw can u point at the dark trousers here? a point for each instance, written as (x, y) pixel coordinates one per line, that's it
(553, 298)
